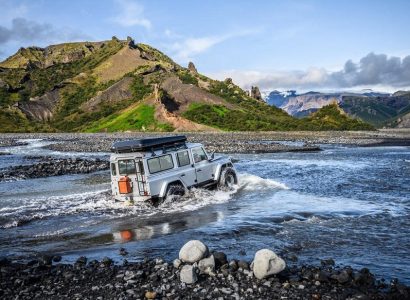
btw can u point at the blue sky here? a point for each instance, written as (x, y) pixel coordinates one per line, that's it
(311, 44)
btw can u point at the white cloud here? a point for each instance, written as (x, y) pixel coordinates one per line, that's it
(184, 49)
(372, 71)
(27, 31)
(131, 14)
(270, 80)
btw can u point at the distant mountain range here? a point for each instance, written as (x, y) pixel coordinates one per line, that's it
(120, 85)
(378, 109)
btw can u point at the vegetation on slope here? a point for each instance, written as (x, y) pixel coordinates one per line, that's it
(250, 115)
(378, 111)
(71, 118)
(187, 77)
(331, 117)
(14, 121)
(36, 81)
(138, 118)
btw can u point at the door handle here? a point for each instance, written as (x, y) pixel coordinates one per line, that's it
(182, 175)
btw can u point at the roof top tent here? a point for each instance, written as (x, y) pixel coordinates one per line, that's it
(148, 144)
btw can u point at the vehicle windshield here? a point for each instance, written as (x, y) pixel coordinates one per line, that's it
(199, 154)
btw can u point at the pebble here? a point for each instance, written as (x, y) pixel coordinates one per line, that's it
(150, 295)
(177, 263)
(123, 252)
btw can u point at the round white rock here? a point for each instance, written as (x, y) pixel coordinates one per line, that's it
(193, 251)
(266, 263)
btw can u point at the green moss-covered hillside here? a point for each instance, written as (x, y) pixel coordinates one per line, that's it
(118, 85)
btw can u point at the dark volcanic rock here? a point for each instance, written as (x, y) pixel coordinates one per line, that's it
(48, 166)
(157, 279)
(220, 259)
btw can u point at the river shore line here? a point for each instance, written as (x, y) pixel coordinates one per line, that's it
(224, 278)
(222, 142)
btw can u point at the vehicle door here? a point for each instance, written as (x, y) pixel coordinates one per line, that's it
(127, 167)
(203, 169)
(186, 171)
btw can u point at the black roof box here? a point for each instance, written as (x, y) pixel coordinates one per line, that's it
(147, 144)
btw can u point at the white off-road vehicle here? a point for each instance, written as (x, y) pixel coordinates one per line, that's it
(158, 168)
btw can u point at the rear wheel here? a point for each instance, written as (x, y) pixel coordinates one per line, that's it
(228, 178)
(174, 191)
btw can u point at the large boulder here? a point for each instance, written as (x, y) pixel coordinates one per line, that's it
(193, 251)
(267, 263)
(188, 274)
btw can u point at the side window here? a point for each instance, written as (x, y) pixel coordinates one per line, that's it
(183, 158)
(113, 170)
(153, 165)
(199, 154)
(126, 166)
(161, 163)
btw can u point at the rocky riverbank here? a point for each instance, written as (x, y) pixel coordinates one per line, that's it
(223, 142)
(49, 166)
(197, 274)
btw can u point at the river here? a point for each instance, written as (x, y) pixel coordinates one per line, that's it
(351, 204)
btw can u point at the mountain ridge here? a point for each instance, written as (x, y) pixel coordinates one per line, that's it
(120, 85)
(378, 109)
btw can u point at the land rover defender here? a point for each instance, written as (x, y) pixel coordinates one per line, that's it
(162, 167)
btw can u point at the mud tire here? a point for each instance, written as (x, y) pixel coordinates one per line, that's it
(228, 178)
(174, 191)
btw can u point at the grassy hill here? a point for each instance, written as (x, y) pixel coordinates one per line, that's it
(118, 85)
(378, 110)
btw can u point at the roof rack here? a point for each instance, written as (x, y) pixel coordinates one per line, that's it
(147, 144)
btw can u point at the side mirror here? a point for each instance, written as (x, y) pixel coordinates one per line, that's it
(212, 155)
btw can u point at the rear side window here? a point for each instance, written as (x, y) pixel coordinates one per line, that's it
(183, 158)
(199, 154)
(113, 170)
(126, 166)
(161, 163)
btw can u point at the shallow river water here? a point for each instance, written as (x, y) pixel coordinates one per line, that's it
(347, 203)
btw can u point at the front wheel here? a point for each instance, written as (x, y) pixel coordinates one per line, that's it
(228, 178)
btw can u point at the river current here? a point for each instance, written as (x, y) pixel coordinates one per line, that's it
(347, 203)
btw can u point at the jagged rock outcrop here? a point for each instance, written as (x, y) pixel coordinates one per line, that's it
(165, 111)
(115, 93)
(130, 42)
(228, 80)
(255, 93)
(185, 94)
(41, 108)
(192, 68)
